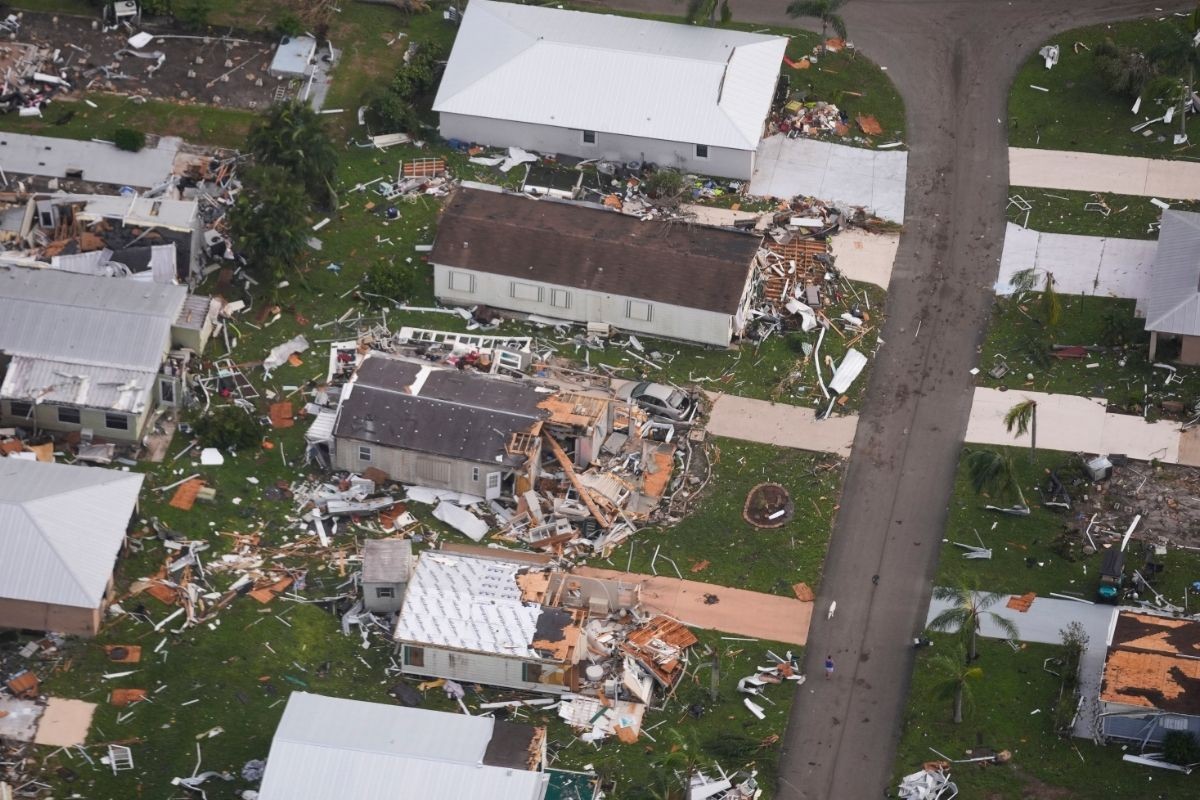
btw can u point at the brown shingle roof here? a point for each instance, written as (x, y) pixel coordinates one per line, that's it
(598, 250)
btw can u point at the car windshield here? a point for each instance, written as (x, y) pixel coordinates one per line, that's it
(677, 399)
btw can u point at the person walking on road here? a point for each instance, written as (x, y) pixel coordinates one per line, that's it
(828, 666)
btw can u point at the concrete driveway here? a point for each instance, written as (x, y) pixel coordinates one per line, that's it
(867, 257)
(846, 175)
(1096, 172)
(1081, 264)
(1044, 622)
(780, 424)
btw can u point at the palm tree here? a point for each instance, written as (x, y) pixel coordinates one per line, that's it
(954, 680)
(1026, 280)
(1179, 52)
(292, 136)
(826, 11)
(968, 607)
(1023, 417)
(705, 11)
(268, 220)
(992, 473)
(676, 767)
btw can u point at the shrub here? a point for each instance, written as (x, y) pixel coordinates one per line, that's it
(288, 24)
(666, 184)
(227, 428)
(129, 139)
(193, 14)
(393, 281)
(1181, 747)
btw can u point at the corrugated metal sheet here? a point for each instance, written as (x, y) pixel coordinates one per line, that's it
(101, 163)
(611, 74)
(1174, 304)
(83, 319)
(327, 747)
(39, 381)
(468, 603)
(62, 527)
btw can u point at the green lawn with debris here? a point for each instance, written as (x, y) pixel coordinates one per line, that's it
(1114, 215)
(730, 551)
(1040, 553)
(1014, 710)
(1078, 112)
(1118, 369)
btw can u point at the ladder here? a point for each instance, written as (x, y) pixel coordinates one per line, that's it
(120, 758)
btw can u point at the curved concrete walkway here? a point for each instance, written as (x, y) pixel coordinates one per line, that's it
(1096, 172)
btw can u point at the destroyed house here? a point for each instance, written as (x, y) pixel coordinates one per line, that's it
(91, 354)
(599, 86)
(1172, 307)
(1151, 679)
(94, 162)
(441, 428)
(156, 239)
(589, 265)
(328, 747)
(61, 529)
(500, 618)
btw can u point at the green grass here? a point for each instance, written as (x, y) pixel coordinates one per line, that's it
(1028, 553)
(739, 554)
(1062, 211)
(1079, 112)
(1014, 686)
(1016, 335)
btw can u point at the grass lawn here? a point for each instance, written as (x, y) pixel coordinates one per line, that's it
(1017, 337)
(1079, 112)
(739, 554)
(1027, 553)
(1013, 710)
(1062, 211)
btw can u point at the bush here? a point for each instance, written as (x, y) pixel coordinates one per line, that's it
(393, 281)
(227, 428)
(288, 24)
(1124, 70)
(665, 184)
(193, 14)
(129, 139)
(413, 83)
(1182, 748)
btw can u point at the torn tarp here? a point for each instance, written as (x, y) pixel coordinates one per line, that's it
(852, 364)
(516, 156)
(461, 520)
(279, 354)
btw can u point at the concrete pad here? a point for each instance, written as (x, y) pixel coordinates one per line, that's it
(65, 723)
(874, 179)
(1085, 265)
(1072, 424)
(1095, 172)
(20, 720)
(720, 217)
(738, 611)
(867, 257)
(780, 424)
(1189, 447)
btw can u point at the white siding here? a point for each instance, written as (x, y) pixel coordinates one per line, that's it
(47, 419)
(722, 161)
(484, 668)
(665, 320)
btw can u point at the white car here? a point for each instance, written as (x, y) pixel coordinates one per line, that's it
(659, 400)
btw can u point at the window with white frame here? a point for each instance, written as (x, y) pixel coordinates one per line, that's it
(1173, 723)
(641, 311)
(526, 291)
(462, 282)
(70, 416)
(364, 452)
(116, 422)
(385, 592)
(589, 137)
(701, 151)
(560, 298)
(18, 409)
(475, 474)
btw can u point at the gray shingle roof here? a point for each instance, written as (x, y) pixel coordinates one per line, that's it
(1174, 302)
(61, 528)
(387, 560)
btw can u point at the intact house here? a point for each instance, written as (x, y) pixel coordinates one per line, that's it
(598, 86)
(160, 240)
(590, 265)
(387, 566)
(330, 747)
(441, 428)
(92, 354)
(503, 618)
(61, 529)
(1172, 307)
(1151, 680)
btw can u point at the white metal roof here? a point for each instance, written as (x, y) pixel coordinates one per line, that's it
(294, 55)
(468, 603)
(147, 212)
(61, 528)
(35, 380)
(82, 319)
(328, 747)
(22, 153)
(621, 75)
(1174, 303)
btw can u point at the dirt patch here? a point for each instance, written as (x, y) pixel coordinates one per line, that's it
(1167, 496)
(768, 505)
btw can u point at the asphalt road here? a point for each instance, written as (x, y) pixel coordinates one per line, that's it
(953, 62)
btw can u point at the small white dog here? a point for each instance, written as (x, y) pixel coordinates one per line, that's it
(832, 608)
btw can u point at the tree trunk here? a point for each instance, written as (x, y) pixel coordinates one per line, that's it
(971, 654)
(958, 704)
(824, 25)
(1033, 433)
(1187, 98)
